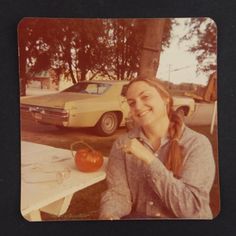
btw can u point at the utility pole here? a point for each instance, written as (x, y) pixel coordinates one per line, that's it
(150, 55)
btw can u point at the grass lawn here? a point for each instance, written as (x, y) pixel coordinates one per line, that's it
(85, 203)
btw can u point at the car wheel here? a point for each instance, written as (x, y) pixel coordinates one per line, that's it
(107, 124)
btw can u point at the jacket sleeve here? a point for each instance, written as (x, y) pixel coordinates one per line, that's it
(116, 200)
(187, 195)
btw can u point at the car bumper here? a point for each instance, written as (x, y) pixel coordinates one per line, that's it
(47, 115)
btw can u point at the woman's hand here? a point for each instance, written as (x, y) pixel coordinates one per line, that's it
(133, 146)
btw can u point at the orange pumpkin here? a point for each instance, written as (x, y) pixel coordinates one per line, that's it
(88, 159)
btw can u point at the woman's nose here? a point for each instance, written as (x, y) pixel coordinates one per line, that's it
(138, 105)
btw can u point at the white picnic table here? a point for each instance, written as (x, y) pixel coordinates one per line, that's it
(41, 187)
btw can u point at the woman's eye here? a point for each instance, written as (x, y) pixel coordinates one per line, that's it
(131, 104)
(145, 97)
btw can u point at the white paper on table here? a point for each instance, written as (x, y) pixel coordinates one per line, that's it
(37, 173)
(46, 155)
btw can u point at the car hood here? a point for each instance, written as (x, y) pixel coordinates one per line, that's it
(57, 100)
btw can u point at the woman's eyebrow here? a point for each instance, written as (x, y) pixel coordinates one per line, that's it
(140, 94)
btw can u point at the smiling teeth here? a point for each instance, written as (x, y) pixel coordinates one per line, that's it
(143, 113)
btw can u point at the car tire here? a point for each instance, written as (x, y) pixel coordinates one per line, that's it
(107, 124)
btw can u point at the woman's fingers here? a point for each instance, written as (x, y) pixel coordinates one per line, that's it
(126, 148)
(132, 146)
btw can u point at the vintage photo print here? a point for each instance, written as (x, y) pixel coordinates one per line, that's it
(118, 119)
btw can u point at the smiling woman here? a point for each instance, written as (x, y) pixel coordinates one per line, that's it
(146, 105)
(161, 168)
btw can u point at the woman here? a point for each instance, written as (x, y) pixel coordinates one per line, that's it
(161, 168)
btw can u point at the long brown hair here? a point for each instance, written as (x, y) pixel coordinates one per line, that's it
(174, 160)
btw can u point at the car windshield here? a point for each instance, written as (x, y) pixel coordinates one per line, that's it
(88, 88)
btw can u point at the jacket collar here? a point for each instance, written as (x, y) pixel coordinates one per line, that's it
(139, 134)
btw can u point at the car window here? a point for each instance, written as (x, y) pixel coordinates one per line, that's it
(88, 88)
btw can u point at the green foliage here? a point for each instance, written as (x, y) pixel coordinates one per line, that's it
(74, 47)
(203, 37)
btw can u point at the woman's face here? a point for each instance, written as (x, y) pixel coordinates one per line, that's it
(146, 104)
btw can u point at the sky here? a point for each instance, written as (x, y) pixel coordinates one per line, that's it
(180, 63)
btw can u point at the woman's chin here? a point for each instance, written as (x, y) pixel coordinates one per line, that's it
(144, 122)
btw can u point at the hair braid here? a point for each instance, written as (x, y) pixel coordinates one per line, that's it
(174, 159)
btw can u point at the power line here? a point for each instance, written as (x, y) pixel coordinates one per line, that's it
(181, 68)
(177, 69)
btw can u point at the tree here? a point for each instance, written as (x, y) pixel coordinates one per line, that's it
(66, 45)
(152, 47)
(74, 47)
(125, 44)
(86, 47)
(36, 38)
(25, 45)
(128, 38)
(203, 37)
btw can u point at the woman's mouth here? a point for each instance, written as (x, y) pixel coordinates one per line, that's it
(143, 113)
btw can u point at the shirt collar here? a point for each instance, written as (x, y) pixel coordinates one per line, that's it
(139, 134)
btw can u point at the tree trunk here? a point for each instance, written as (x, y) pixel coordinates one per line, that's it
(150, 54)
(72, 74)
(83, 75)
